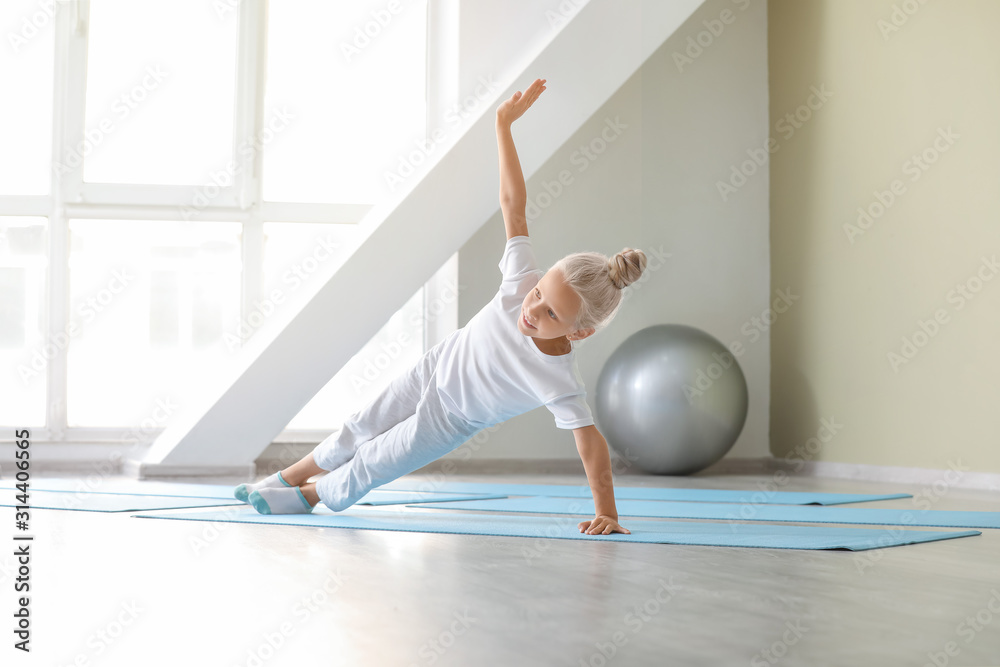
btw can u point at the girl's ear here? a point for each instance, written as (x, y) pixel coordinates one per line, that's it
(580, 334)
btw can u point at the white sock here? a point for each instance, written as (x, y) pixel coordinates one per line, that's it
(280, 501)
(243, 491)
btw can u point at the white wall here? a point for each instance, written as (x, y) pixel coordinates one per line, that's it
(653, 188)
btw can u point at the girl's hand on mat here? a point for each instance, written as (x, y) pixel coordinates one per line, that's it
(602, 525)
(513, 108)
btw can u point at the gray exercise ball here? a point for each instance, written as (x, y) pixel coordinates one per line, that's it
(671, 399)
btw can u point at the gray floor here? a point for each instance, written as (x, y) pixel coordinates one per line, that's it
(108, 589)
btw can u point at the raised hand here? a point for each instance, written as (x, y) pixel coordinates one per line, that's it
(513, 108)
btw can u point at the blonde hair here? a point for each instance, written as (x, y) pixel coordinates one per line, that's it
(599, 281)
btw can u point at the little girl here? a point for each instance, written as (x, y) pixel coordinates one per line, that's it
(513, 356)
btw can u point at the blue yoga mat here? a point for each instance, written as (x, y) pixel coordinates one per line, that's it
(645, 493)
(658, 532)
(734, 512)
(108, 502)
(217, 491)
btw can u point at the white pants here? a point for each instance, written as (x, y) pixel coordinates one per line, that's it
(403, 429)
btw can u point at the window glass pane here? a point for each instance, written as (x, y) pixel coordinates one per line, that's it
(161, 78)
(291, 252)
(26, 73)
(24, 351)
(353, 75)
(153, 302)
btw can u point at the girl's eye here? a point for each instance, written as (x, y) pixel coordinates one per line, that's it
(539, 296)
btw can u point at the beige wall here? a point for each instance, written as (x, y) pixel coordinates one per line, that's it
(900, 83)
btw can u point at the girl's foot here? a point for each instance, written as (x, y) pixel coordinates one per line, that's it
(243, 491)
(309, 491)
(270, 500)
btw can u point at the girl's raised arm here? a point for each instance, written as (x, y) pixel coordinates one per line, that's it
(513, 196)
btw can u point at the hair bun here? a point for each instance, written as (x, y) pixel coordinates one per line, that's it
(626, 267)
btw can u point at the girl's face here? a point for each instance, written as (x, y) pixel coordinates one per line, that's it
(550, 308)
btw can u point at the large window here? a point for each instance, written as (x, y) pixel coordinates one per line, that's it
(169, 165)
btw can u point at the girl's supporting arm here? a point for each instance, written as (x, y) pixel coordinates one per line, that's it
(593, 450)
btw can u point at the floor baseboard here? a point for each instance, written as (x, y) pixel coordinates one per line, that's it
(143, 470)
